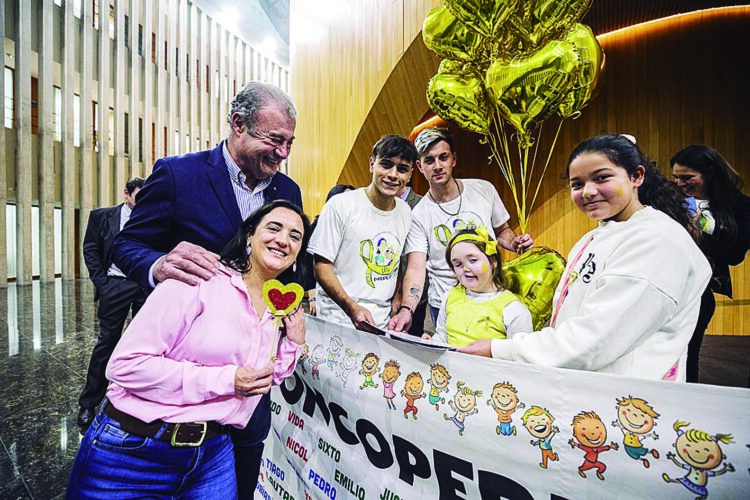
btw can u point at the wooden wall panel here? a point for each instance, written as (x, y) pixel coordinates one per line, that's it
(340, 64)
(670, 83)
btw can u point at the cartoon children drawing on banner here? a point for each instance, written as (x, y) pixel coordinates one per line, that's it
(347, 365)
(701, 453)
(464, 403)
(412, 391)
(304, 358)
(369, 369)
(391, 372)
(504, 401)
(439, 379)
(590, 434)
(334, 349)
(636, 418)
(538, 421)
(317, 358)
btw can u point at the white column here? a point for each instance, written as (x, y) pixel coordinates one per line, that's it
(87, 165)
(204, 75)
(118, 97)
(23, 141)
(213, 92)
(195, 75)
(148, 88)
(4, 163)
(161, 84)
(183, 119)
(105, 162)
(222, 104)
(134, 107)
(46, 156)
(172, 16)
(68, 150)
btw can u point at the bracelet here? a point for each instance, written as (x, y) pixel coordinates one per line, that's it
(411, 311)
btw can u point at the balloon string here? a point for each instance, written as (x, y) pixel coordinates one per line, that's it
(500, 147)
(546, 163)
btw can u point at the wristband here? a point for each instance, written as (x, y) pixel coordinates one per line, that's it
(411, 311)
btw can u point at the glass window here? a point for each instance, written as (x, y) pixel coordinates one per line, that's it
(9, 104)
(76, 120)
(57, 115)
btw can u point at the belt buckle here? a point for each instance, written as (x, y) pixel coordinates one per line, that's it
(179, 444)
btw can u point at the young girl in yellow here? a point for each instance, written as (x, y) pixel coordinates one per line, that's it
(479, 306)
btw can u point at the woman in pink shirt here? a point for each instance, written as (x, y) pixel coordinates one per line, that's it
(193, 362)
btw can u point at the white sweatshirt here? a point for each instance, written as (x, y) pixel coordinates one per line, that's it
(631, 309)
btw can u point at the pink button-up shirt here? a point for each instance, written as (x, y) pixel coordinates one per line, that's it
(177, 359)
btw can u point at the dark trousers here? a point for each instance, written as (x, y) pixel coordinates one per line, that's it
(116, 298)
(708, 306)
(417, 319)
(248, 447)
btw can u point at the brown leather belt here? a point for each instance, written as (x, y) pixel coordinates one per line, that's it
(189, 434)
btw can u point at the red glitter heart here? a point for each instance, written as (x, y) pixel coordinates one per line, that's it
(281, 300)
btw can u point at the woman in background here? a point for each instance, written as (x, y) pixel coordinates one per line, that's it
(722, 213)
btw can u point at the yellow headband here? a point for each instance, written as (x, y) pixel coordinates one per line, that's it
(490, 245)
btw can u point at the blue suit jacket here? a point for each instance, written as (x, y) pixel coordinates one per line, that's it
(186, 198)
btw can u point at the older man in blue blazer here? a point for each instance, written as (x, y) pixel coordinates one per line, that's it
(191, 206)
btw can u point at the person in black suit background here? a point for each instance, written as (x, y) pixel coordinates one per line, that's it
(116, 294)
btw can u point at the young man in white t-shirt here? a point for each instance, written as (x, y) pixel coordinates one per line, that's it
(359, 239)
(450, 204)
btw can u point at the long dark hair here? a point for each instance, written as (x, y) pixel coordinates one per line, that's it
(656, 191)
(723, 183)
(234, 255)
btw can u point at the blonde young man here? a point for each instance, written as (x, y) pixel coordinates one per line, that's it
(450, 204)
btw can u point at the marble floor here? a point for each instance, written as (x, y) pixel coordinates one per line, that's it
(47, 332)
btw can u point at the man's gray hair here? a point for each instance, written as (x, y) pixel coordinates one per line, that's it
(431, 136)
(253, 97)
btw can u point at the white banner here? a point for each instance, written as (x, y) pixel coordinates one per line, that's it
(365, 417)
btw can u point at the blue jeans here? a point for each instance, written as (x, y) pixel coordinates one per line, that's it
(248, 447)
(113, 464)
(434, 311)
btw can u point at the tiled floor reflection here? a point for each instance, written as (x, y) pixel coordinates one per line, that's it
(46, 336)
(47, 332)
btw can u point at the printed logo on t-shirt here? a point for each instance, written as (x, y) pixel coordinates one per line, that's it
(464, 220)
(381, 256)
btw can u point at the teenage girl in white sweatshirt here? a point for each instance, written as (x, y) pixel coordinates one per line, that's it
(629, 298)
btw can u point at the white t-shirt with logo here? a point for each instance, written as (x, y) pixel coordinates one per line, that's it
(365, 245)
(432, 228)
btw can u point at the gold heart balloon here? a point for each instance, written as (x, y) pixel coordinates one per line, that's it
(586, 79)
(534, 276)
(448, 37)
(458, 96)
(484, 16)
(539, 21)
(528, 89)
